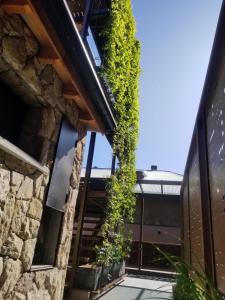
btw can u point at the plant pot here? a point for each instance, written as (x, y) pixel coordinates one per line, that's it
(105, 276)
(87, 277)
(118, 269)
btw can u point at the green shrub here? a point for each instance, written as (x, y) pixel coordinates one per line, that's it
(191, 284)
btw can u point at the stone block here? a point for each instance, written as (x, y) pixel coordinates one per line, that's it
(16, 180)
(19, 216)
(63, 252)
(11, 273)
(26, 189)
(58, 85)
(79, 151)
(4, 184)
(30, 76)
(48, 124)
(12, 246)
(1, 266)
(75, 175)
(40, 279)
(6, 213)
(18, 296)
(35, 209)
(14, 52)
(28, 253)
(51, 281)
(31, 43)
(38, 294)
(29, 229)
(37, 185)
(13, 26)
(61, 104)
(49, 95)
(38, 66)
(46, 180)
(72, 112)
(46, 75)
(25, 283)
(42, 193)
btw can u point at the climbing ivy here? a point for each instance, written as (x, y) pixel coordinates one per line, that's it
(121, 67)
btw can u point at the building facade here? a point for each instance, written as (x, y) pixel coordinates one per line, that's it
(157, 220)
(50, 96)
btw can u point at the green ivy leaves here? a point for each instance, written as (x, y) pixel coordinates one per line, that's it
(121, 68)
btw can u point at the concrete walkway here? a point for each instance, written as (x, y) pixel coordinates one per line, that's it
(140, 288)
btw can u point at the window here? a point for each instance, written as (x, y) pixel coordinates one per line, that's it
(49, 232)
(19, 122)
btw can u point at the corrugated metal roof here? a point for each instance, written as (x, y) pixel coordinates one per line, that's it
(158, 186)
(148, 175)
(162, 176)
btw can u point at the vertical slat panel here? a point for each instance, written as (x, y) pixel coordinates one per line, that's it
(195, 210)
(186, 223)
(215, 118)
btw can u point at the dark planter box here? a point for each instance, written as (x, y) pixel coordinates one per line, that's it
(88, 277)
(118, 269)
(106, 277)
(91, 277)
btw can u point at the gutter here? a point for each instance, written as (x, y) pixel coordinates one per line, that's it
(61, 18)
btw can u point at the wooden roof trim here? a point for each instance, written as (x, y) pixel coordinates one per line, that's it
(16, 7)
(52, 52)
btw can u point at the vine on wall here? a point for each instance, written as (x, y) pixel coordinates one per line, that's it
(121, 67)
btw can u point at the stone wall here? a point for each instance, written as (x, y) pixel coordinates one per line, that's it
(22, 187)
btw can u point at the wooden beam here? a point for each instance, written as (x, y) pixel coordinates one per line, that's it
(16, 7)
(85, 117)
(90, 125)
(97, 194)
(69, 92)
(47, 56)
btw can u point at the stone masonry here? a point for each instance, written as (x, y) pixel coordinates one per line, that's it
(22, 187)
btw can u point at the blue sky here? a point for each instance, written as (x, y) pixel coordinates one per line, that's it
(176, 39)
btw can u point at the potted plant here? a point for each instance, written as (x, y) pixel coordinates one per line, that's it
(121, 249)
(88, 277)
(104, 259)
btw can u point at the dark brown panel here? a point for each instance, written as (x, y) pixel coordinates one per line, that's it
(132, 260)
(195, 208)
(153, 259)
(162, 210)
(186, 225)
(215, 117)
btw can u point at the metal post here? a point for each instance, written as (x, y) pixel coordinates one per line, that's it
(205, 198)
(75, 255)
(161, 188)
(140, 252)
(88, 7)
(113, 166)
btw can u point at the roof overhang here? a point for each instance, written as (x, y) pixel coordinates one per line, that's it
(61, 46)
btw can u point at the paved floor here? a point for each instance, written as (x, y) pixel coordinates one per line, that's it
(140, 288)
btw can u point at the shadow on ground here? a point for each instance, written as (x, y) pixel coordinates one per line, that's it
(136, 288)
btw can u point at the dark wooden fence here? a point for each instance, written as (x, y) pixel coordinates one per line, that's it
(203, 190)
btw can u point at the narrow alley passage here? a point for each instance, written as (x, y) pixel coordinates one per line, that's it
(140, 288)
